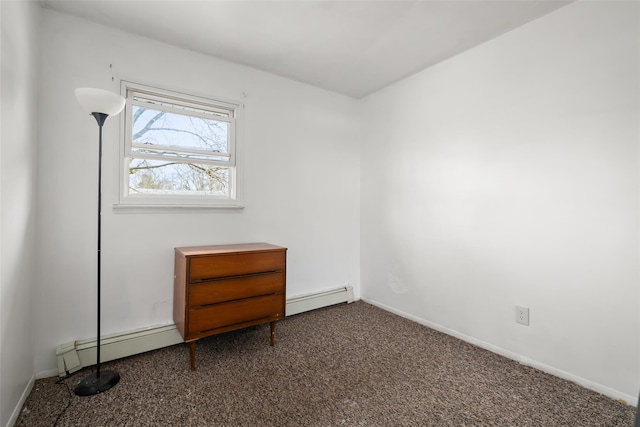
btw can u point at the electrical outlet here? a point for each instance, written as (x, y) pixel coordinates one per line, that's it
(522, 315)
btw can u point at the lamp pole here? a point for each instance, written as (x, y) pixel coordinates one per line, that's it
(100, 118)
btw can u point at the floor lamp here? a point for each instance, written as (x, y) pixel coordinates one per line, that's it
(100, 104)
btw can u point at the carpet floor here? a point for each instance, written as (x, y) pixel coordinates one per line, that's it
(346, 365)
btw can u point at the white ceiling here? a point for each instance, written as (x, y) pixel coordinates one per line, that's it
(349, 47)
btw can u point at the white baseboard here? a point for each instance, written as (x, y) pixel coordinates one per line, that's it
(16, 412)
(76, 355)
(607, 391)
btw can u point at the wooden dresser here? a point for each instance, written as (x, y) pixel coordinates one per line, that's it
(226, 287)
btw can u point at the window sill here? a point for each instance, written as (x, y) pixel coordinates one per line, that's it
(135, 209)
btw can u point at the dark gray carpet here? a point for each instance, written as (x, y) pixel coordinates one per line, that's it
(353, 365)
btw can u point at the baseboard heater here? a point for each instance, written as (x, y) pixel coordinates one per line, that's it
(313, 301)
(76, 355)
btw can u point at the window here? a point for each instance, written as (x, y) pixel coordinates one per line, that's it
(179, 150)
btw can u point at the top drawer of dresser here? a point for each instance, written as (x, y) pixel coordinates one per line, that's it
(235, 264)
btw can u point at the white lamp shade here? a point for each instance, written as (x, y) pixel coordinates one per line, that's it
(100, 101)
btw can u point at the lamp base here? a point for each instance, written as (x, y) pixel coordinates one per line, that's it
(92, 385)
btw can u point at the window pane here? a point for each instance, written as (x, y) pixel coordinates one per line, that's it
(169, 178)
(153, 127)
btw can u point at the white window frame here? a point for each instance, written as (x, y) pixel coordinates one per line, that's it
(232, 159)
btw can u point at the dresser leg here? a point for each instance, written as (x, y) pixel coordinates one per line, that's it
(192, 354)
(273, 334)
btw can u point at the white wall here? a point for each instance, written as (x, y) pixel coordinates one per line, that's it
(19, 50)
(301, 170)
(509, 175)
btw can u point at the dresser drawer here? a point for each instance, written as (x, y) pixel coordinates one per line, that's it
(210, 267)
(221, 290)
(217, 316)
